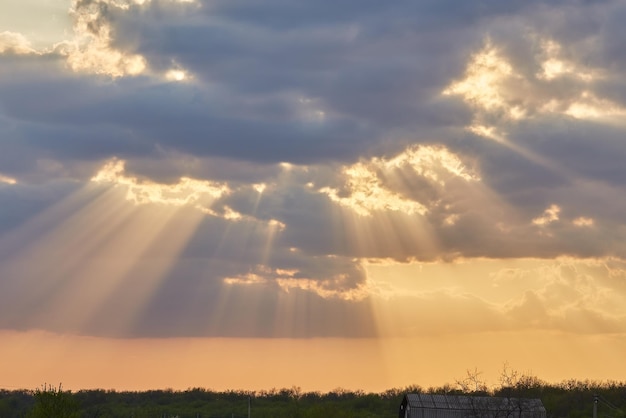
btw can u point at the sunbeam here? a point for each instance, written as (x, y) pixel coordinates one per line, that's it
(216, 193)
(92, 242)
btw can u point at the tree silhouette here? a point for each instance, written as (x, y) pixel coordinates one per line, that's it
(51, 402)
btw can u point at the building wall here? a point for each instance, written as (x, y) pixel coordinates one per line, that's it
(436, 413)
(450, 406)
(449, 413)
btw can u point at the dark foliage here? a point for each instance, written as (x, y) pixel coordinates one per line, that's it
(571, 398)
(51, 402)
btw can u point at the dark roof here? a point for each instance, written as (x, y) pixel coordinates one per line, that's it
(487, 403)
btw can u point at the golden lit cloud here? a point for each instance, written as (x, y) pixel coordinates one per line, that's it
(367, 194)
(563, 294)
(327, 288)
(432, 162)
(501, 95)
(583, 221)
(91, 48)
(451, 219)
(177, 74)
(549, 215)
(589, 106)
(11, 42)
(337, 286)
(555, 65)
(484, 81)
(187, 192)
(497, 90)
(7, 179)
(574, 295)
(490, 132)
(586, 105)
(260, 187)
(245, 279)
(365, 189)
(404, 206)
(232, 215)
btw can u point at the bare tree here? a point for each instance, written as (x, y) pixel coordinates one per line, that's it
(473, 383)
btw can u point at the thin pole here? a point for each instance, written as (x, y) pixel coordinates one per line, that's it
(595, 406)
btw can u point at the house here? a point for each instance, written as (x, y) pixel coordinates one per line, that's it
(420, 405)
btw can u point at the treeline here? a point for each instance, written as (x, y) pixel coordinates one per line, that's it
(573, 398)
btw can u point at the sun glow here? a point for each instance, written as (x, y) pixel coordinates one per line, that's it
(7, 179)
(176, 75)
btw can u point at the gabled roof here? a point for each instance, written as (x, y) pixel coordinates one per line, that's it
(486, 403)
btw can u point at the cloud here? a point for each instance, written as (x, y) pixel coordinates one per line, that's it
(16, 43)
(186, 192)
(265, 150)
(91, 48)
(7, 180)
(572, 295)
(565, 295)
(549, 215)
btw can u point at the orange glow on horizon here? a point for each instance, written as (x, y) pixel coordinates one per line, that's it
(312, 364)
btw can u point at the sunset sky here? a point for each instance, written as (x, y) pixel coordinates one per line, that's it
(366, 194)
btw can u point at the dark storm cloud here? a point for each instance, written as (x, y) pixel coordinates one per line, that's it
(376, 68)
(133, 117)
(263, 71)
(589, 149)
(375, 71)
(362, 83)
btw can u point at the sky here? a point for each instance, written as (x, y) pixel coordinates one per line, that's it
(246, 194)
